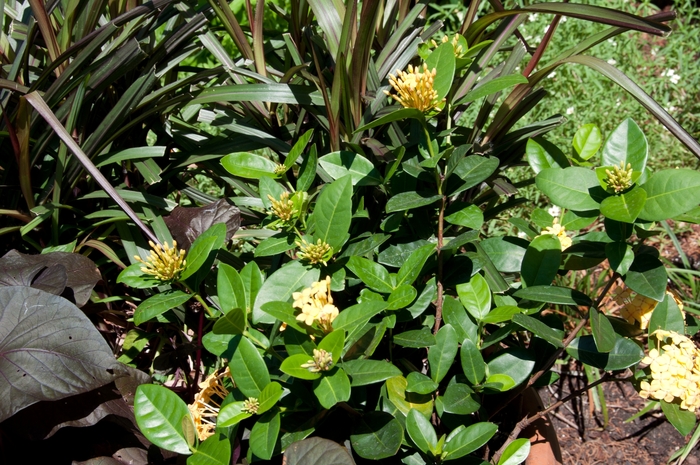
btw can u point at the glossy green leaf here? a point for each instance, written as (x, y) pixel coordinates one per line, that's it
(159, 304)
(333, 213)
(376, 436)
(473, 363)
(454, 314)
(587, 141)
(159, 413)
(365, 371)
(333, 344)
(501, 314)
(624, 354)
(268, 92)
(275, 245)
(626, 144)
(472, 170)
(362, 172)
(285, 312)
(264, 434)
(358, 315)
(667, 316)
(411, 199)
(229, 288)
(569, 187)
(624, 207)
(506, 253)
(475, 295)
(215, 450)
(647, 276)
(469, 217)
(442, 59)
(458, 400)
(234, 322)
(541, 261)
(280, 286)
(231, 414)
(420, 430)
(132, 276)
(443, 353)
(269, 397)
(500, 382)
(417, 338)
(249, 165)
(516, 452)
(468, 440)
(542, 154)
(493, 86)
(332, 387)
(682, 420)
(540, 329)
(201, 251)
(401, 297)
(419, 383)
(298, 149)
(620, 256)
(396, 115)
(292, 366)
(411, 268)
(374, 275)
(307, 170)
(671, 193)
(514, 362)
(248, 368)
(554, 295)
(603, 332)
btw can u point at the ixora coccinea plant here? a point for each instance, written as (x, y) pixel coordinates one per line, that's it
(361, 304)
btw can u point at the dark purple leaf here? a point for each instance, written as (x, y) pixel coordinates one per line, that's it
(187, 223)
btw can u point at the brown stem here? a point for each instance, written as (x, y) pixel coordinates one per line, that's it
(527, 421)
(565, 343)
(537, 56)
(198, 360)
(438, 303)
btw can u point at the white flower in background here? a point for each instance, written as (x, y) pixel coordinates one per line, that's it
(612, 42)
(552, 74)
(617, 102)
(537, 39)
(671, 75)
(569, 111)
(546, 28)
(653, 52)
(563, 19)
(612, 61)
(522, 235)
(555, 210)
(671, 109)
(532, 17)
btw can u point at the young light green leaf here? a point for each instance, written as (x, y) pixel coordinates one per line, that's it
(475, 295)
(159, 413)
(292, 366)
(229, 288)
(442, 59)
(516, 452)
(443, 353)
(249, 165)
(159, 304)
(269, 397)
(332, 387)
(473, 363)
(587, 141)
(624, 207)
(671, 193)
(420, 430)
(468, 440)
(626, 144)
(569, 187)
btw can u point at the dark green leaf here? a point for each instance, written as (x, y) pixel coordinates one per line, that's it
(514, 362)
(159, 413)
(159, 304)
(216, 450)
(541, 261)
(280, 286)
(475, 295)
(333, 213)
(229, 288)
(542, 154)
(285, 312)
(454, 314)
(292, 366)
(417, 338)
(377, 435)
(620, 256)
(248, 368)
(468, 440)
(624, 354)
(332, 387)
(420, 384)
(401, 297)
(199, 255)
(363, 372)
(624, 207)
(554, 295)
(671, 193)
(469, 217)
(411, 199)
(374, 275)
(472, 170)
(233, 322)
(647, 276)
(473, 363)
(270, 92)
(358, 315)
(506, 253)
(603, 332)
(362, 172)
(493, 86)
(443, 353)
(458, 400)
(275, 245)
(540, 329)
(307, 170)
(411, 268)
(682, 420)
(264, 434)
(317, 451)
(667, 316)
(397, 115)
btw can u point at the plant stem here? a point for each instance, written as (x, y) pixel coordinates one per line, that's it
(438, 303)
(198, 360)
(527, 421)
(204, 304)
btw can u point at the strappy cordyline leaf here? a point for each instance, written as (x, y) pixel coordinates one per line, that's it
(273, 93)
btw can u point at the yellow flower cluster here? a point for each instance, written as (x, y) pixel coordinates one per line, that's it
(620, 178)
(636, 307)
(455, 44)
(207, 403)
(316, 304)
(322, 361)
(560, 232)
(282, 208)
(164, 263)
(320, 252)
(675, 370)
(415, 88)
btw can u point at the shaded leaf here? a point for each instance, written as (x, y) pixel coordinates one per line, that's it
(186, 224)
